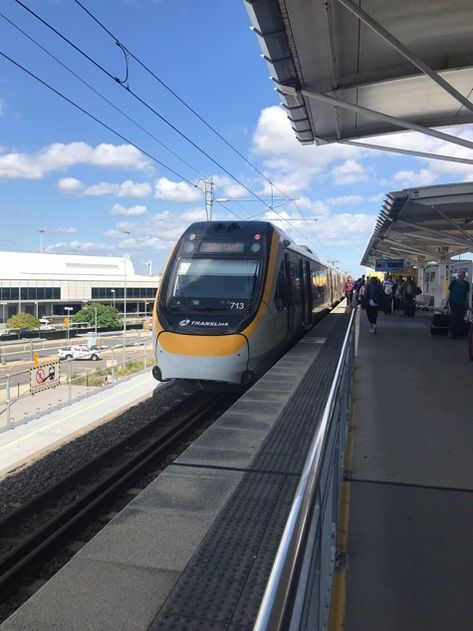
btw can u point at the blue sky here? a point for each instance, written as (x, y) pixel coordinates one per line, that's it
(93, 193)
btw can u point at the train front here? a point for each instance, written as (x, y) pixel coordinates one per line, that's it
(209, 295)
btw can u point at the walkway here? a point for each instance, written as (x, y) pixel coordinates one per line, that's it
(410, 552)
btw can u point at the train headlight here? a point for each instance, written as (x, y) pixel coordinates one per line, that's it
(255, 247)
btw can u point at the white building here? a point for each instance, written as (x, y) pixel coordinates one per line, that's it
(45, 284)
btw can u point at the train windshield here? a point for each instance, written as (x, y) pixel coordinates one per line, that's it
(214, 284)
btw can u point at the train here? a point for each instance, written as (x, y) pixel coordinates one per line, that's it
(233, 297)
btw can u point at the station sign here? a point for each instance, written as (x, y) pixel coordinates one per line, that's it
(44, 377)
(389, 266)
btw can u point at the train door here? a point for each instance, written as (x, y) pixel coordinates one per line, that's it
(282, 297)
(307, 293)
(290, 309)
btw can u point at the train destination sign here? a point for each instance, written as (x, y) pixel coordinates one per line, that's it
(389, 265)
(221, 247)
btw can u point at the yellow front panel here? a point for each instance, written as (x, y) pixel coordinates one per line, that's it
(204, 345)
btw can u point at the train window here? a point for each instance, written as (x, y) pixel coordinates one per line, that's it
(202, 283)
(295, 278)
(280, 296)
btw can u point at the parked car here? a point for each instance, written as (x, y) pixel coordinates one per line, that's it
(78, 352)
(44, 325)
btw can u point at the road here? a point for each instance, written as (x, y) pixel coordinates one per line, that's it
(22, 351)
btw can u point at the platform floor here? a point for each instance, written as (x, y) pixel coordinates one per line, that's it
(410, 552)
(194, 550)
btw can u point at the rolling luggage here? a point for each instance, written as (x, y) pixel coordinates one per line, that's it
(440, 324)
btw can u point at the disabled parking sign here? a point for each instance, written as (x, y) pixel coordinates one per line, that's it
(44, 377)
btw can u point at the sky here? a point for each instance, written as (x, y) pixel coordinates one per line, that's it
(89, 190)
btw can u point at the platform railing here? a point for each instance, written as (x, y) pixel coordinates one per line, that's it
(298, 593)
(18, 405)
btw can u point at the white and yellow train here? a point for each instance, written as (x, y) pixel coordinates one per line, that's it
(233, 296)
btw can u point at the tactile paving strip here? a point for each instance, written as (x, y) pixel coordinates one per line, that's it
(286, 446)
(223, 584)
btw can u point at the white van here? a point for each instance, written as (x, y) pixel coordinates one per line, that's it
(44, 325)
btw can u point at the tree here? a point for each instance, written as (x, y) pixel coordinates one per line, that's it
(107, 316)
(23, 321)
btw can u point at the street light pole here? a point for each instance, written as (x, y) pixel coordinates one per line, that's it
(4, 304)
(113, 297)
(41, 232)
(95, 308)
(124, 311)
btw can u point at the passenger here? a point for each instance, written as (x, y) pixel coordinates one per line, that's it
(388, 287)
(357, 287)
(458, 299)
(408, 292)
(372, 299)
(348, 290)
(397, 297)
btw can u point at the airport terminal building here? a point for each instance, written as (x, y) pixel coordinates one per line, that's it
(57, 285)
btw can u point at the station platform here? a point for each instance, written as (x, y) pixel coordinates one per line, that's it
(409, 556)
(194, 550)
(27, 442)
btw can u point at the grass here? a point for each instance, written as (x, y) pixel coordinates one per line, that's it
(99, 377)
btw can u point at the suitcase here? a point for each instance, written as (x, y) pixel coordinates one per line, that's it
(440, 324)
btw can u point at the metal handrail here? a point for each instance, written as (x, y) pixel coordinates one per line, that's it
(273, 607)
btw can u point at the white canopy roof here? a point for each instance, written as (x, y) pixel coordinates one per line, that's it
(345, 72)
(423, 224)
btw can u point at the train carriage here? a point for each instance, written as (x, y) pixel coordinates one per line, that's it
(233, 296)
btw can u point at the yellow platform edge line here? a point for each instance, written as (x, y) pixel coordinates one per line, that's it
(339, 585)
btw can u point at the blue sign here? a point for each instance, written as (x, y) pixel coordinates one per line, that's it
(389, 266)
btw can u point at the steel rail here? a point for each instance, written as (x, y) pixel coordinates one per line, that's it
(29, 550)
(273, 609)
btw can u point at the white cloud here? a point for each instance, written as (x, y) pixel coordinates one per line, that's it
(228, 187)
(409, 179)
(350, 172)
(439, 169)
(344, 200)
(133, 211)
(69, 230)
(79, 247)
(169, 191)
(70, 185)
(288, 164)
(59, 156)
(125, 189)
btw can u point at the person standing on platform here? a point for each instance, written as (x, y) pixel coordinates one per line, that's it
(348, 290)
(372, 299)
(458, 297)
(397, 295)
(388, 287)
(357, 288)
(408, 292)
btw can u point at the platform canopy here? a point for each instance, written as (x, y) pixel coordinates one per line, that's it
(346, 72)
(425, 224)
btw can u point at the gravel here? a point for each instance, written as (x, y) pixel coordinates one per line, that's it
(20, 487)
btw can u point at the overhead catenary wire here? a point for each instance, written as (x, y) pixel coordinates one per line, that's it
(142, 101)
(104, 98)
(153, 110)
(93, 117)
(185, 104)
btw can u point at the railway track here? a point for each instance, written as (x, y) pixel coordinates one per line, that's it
(32, 531)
